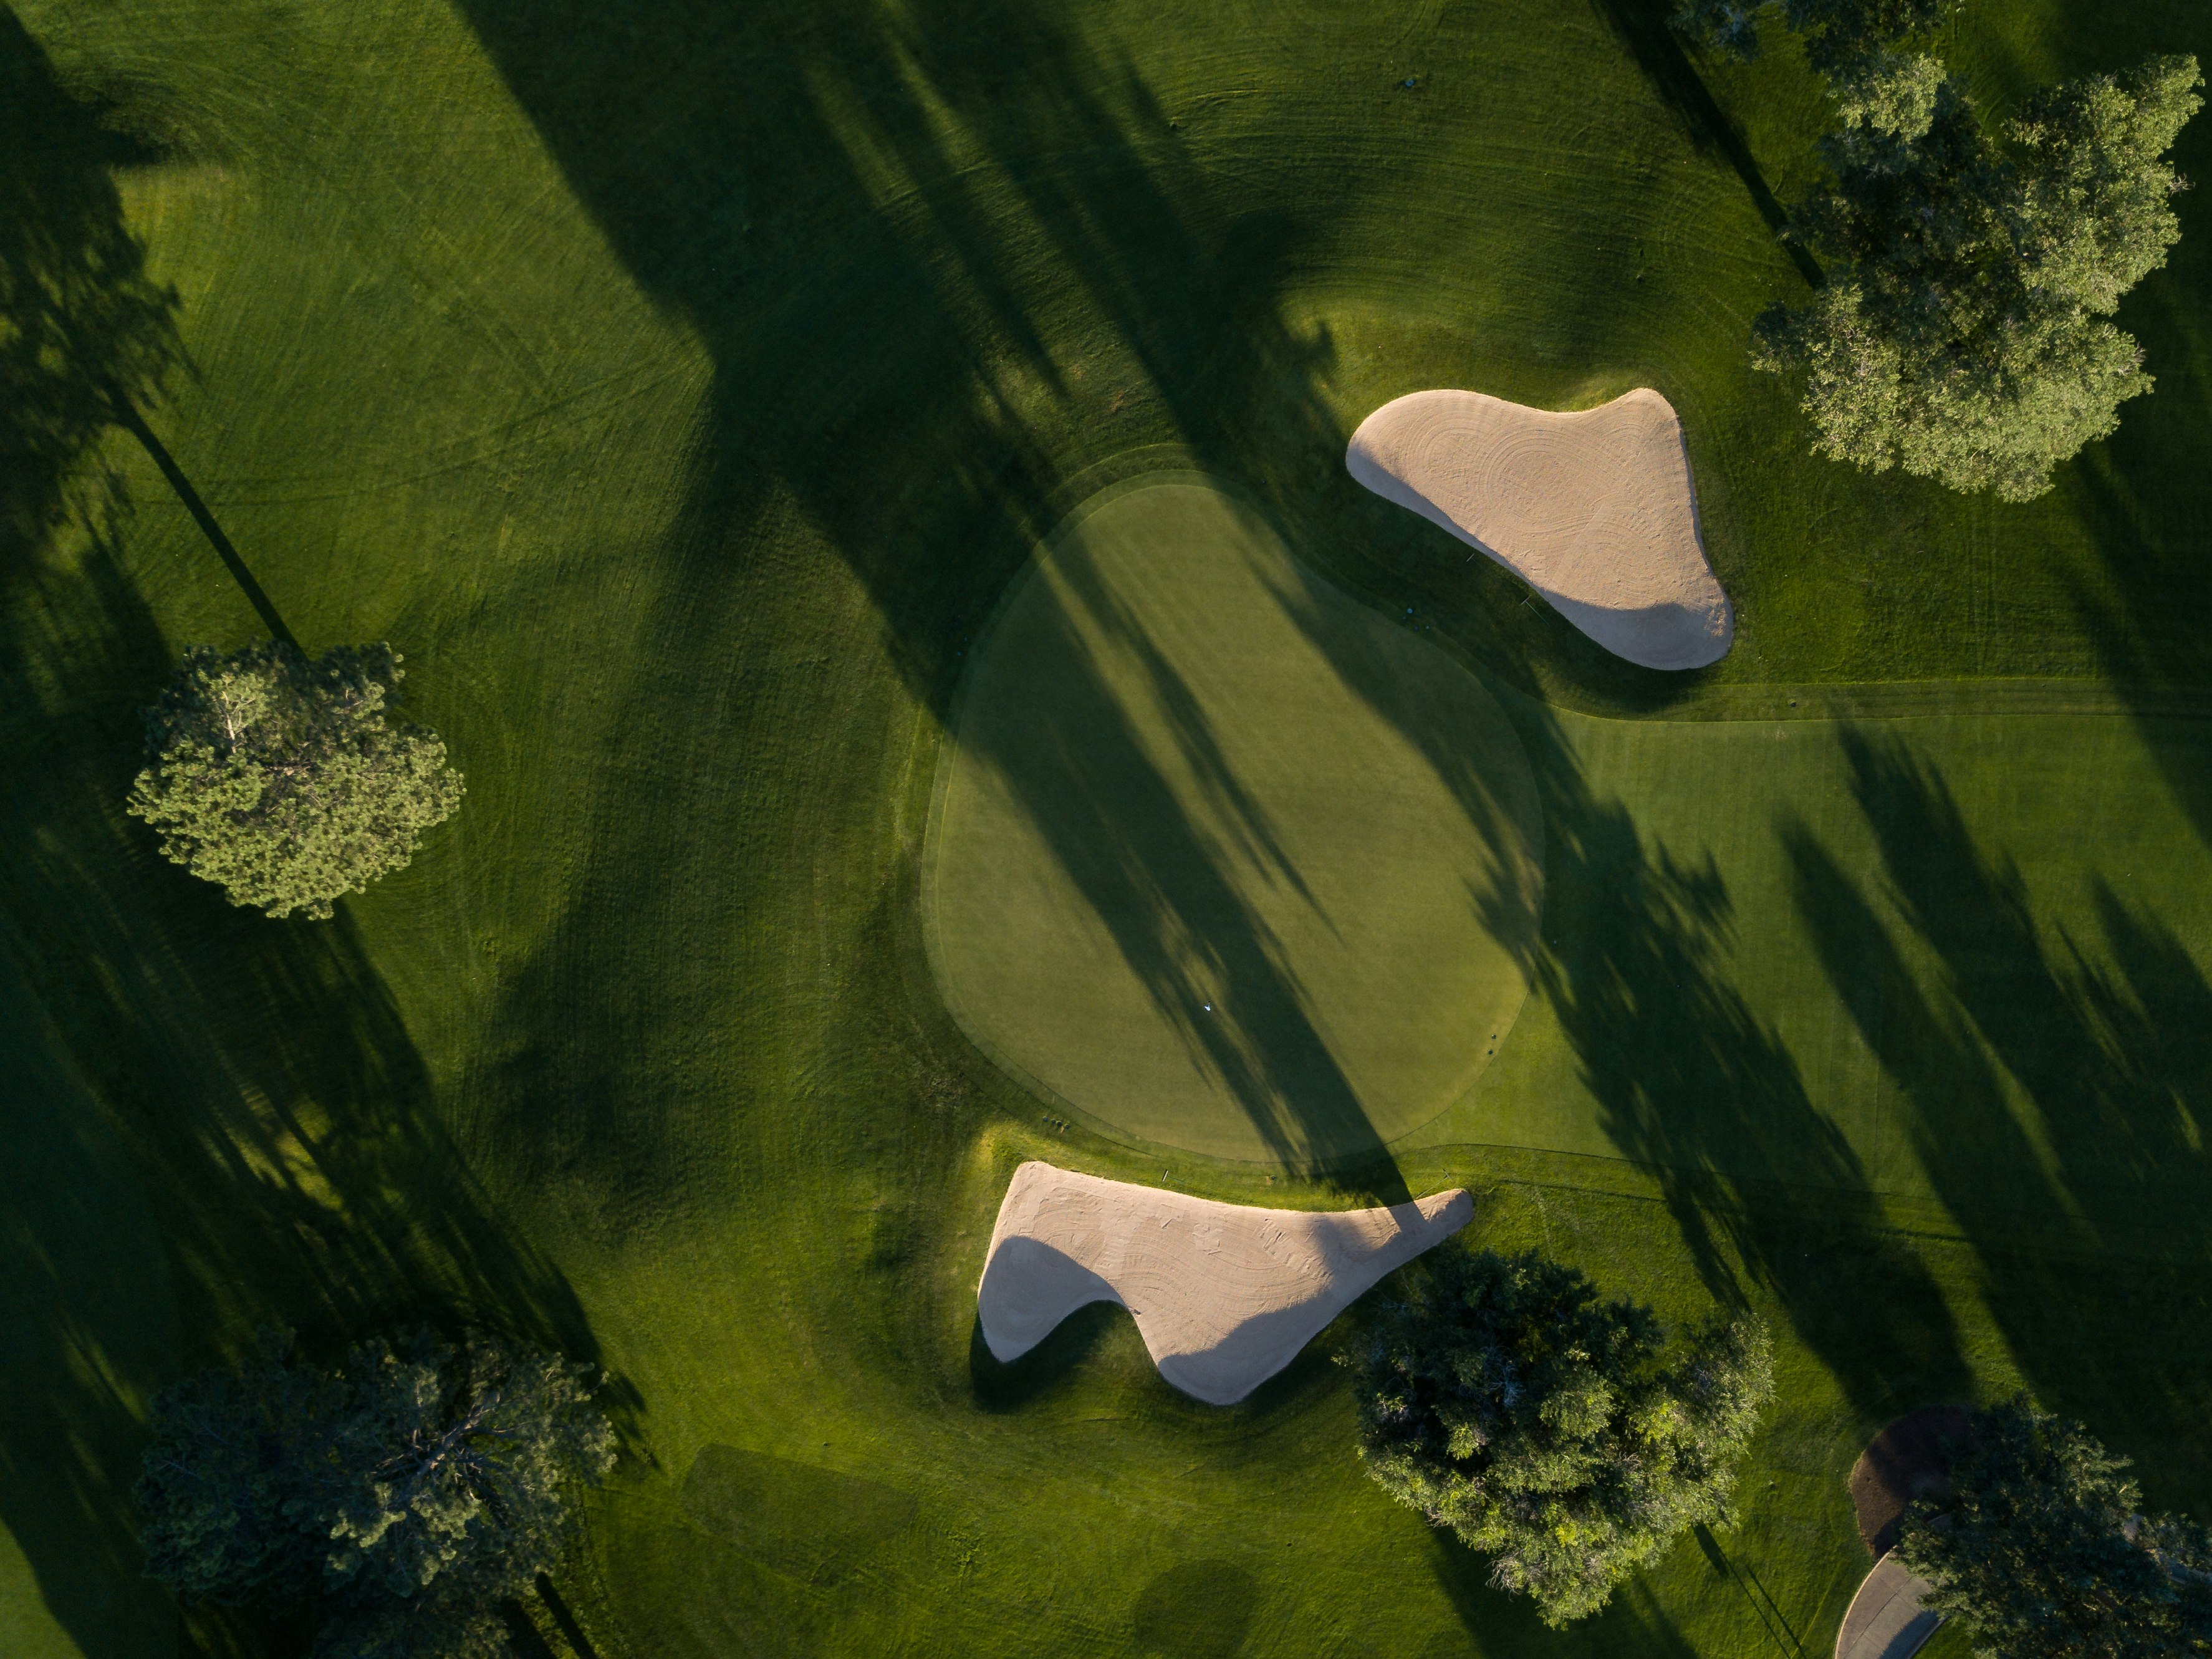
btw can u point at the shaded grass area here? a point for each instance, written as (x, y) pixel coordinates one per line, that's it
(1184, 873)
(1951, 960)
(678, 388)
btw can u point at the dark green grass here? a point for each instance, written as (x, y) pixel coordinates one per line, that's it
(1218, 856)
(677, 385)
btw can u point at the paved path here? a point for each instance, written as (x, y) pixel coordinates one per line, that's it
(1886, 1620)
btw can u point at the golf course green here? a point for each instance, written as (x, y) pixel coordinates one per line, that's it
(859, 490)
(1220, 857)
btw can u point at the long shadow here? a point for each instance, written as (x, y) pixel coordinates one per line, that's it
(213, 1122)
(2142, 497)
(223, 1122)
(84, 320)
(1177, 915)
(1772, 1619)
(1002, 1385)
(564, 1620)
(1632, 1622)
(93, 339)
(2054, 1086)
(1643, 28)
(1632, 956)
(2144, 503)
(876, 200)
(852, 240)
(855, 241)
(127, 415)
(1766, 1189)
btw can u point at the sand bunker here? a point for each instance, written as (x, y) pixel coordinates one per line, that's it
(1593, 509)
(1886, 1620)
(1224, 1295)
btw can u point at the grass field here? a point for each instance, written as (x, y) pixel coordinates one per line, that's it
(679, 387)
(1218, 857)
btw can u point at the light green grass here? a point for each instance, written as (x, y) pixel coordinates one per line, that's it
(678, 386)
(1218, 856)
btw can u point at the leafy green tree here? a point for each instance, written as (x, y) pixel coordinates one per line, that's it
(280, 780)
(2043, 1551)
(1962, 334)
(1565, 1439)
(396, 1499)
(1840, 36)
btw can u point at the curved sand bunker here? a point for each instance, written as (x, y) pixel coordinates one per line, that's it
(1224, 1295)
(1593, 509)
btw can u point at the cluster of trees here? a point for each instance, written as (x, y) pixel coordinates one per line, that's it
(2043, 1550)
(282, 779)
(1963, 332)
(395, 1500)
(1573, 1440)
(1569, 1439)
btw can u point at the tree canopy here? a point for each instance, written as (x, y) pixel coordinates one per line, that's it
(395, 1498)
(1841, 36)
(1566, 1438)
(2043, 1552)
(1962, 334)
(280, 779)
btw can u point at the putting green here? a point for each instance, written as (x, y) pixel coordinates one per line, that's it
(1220, 857)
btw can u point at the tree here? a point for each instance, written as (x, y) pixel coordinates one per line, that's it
(1565, 1439)
(396, 1499)
(280, 780)
(2043, 1551)
(1841, 36)
(1962, 334)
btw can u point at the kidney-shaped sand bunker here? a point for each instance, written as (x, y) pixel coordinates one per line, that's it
(1220, 856)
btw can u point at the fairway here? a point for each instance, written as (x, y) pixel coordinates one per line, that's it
(861, 491)
(1220, 857)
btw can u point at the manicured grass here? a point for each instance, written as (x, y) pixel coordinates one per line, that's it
(679, 386)
(1220, 857)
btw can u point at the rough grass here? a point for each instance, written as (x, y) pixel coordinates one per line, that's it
(677, 385)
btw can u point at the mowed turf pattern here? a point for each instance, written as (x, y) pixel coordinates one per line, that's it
(1220, 857)
(679, 387)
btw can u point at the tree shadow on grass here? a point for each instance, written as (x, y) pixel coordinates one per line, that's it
(1198, 1610)
(1633, 957)
(2145, 500)
(84, 321)
(1643, 28)
(2053, 1084)
(1008, 1385)
(2143, 497)
(1503, 1622)
(853, 241)
(217, 1120)
(226, 1122)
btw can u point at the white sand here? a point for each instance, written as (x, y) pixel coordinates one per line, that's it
(1224, 1295)
(1593, 509)
(1886, 1620)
